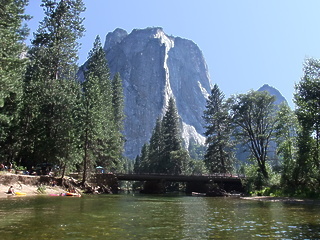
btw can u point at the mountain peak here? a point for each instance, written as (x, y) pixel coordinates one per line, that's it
(274, 92)
(154, 67)
(114, 38)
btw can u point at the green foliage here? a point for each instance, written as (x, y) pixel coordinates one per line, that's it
(144, 166)
(164, 154)
(137, 164)
(156, 147)
(219, 157)
(51, 93)
(307, 99)
(41, 189)
(196, 151)
(60, 121)
(123, 165)
(118, 101)
(12, 68)
(12, 34)
(196, 167)
(173, 157)
(286, 130)
(256, 183)
(97, 112)
(47, 116)
(253, 117)
(273, 191)
(179, 161)
(55, 44)
(20, 168)
(118, 116)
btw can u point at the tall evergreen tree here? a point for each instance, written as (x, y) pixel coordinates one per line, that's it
(219, 157)
(118, 108)
(12, 69)
(97, 115)
(164, 153)
(156, 147)
(173, 158)
(50, 86)
(144, 159)
(136, 167)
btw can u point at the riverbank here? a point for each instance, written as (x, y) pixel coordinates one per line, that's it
(45, 185)
(283, 199)
(29, 185)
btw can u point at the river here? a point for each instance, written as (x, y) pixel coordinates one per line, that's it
(155, 217)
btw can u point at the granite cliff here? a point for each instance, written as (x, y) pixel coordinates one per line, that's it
(154, 67)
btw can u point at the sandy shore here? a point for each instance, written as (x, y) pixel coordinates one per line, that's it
(28, 190)
(26, 184)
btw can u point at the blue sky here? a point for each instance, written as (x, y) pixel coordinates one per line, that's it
(246, 43)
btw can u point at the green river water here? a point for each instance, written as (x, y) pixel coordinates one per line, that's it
(155, 217)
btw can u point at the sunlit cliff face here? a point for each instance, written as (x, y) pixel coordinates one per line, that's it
(154, 67)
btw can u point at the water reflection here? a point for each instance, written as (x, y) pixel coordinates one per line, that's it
(155, 217)
(195, 218)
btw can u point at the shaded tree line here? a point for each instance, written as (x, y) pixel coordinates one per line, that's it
(46, 114)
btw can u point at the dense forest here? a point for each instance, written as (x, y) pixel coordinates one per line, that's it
(47, 115)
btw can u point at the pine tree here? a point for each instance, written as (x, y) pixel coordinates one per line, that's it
(97, 115)
(156, 148)
(118, 113)
(144, 159)
(219, 155)
(50, 86)
(12, 69)
(136, 167)
(172, 158)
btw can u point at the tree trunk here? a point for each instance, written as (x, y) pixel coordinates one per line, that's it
(263, 169)
(85, 160)
(63, 170)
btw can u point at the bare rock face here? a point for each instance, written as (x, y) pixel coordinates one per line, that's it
(273, 92)
(153, 68)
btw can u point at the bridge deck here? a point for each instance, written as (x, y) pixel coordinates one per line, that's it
(179, 178)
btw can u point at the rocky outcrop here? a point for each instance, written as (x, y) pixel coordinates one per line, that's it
(154, 67)
(274, 92)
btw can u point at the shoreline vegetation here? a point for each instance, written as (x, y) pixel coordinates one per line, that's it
(43, 185)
